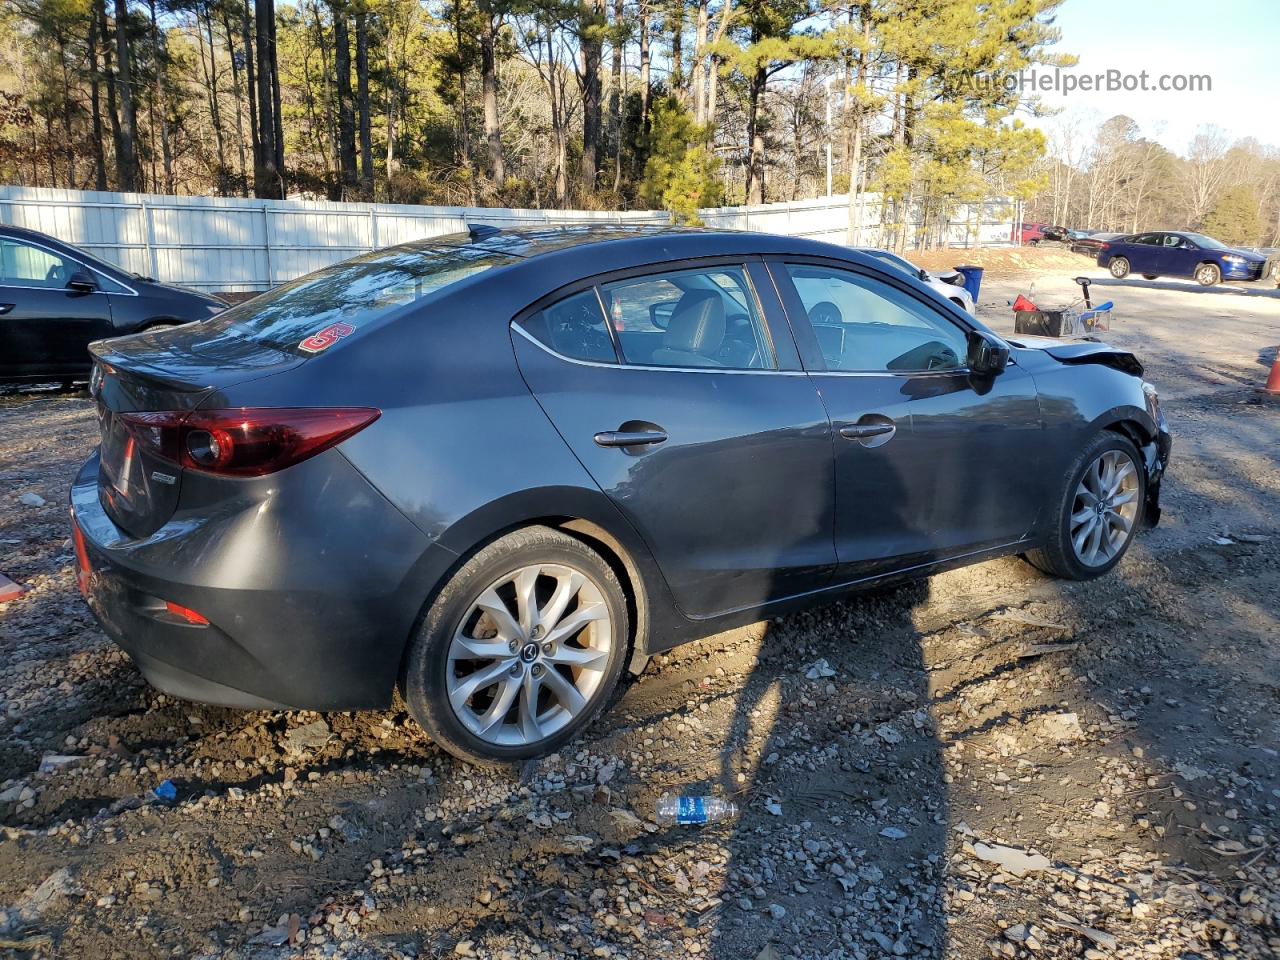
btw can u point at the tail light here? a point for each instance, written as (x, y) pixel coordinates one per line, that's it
(1106, 246)
(245, 442)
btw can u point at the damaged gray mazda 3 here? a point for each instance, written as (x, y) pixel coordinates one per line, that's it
(497, 469)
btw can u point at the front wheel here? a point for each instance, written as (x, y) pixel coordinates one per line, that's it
(1120, 268)
(521, 649)
(1098, 510)
(1208, 274)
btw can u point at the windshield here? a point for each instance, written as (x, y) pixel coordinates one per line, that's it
(349, 295)
(1200, 240)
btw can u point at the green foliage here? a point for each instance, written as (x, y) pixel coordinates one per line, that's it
(680, 174)
(1234, 218)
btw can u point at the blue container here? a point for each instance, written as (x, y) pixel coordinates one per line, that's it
(972, 281)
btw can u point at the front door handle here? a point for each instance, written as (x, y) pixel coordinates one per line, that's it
(864, 431)
(6, 307)
(629, 438)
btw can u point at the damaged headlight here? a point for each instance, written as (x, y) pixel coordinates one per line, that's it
(1153, 401)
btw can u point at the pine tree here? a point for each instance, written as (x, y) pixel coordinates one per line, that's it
(1234, 218)
(680, 174)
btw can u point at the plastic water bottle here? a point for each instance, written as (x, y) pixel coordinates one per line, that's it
(687, 809)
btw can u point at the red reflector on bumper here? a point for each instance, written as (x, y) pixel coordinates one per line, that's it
(83, 570)
(188, 615)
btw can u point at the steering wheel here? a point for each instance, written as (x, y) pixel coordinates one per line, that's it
(56, 275)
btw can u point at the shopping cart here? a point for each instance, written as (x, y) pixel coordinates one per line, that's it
(1079, 319)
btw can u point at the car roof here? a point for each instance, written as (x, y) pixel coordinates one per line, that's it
(640, 242)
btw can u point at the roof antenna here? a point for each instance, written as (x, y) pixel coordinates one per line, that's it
(481, 231)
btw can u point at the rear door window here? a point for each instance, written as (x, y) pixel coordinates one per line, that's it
(573, 327)
(704, 317)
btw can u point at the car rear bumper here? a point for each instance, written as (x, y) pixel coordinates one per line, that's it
(310, 594)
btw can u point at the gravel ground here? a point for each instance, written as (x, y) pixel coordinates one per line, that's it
(987, 763)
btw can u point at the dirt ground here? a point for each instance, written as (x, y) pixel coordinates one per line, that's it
(987, 763)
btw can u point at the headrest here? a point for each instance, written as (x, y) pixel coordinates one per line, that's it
(697, 323)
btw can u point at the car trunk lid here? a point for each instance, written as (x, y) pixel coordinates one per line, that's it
(177, 369)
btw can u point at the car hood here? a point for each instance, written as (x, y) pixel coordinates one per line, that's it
(173, 290)
(1081, 351)
(1247, 254)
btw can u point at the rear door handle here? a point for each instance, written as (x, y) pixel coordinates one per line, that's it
(863, 431)
(629, 438)
(6, 307)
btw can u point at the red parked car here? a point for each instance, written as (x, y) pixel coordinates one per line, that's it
(1032, 234)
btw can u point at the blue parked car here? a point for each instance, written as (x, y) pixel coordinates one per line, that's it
(1192, 255)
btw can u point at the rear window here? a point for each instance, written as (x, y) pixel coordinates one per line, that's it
(310, 313)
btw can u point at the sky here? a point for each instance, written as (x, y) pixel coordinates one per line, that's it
(1236, 43)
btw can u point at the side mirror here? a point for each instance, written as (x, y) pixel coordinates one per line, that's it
(81, 282)
(988, 356)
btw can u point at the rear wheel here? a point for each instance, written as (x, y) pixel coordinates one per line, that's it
(1148, 276)
(520, 650)
(1208, 274)
(1119, 267)
(1099, 509)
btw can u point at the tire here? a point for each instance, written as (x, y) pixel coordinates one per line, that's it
(1060, 555)
(474, 725)
(1208, 274)
(1119, 267)
(1148, 276)
(1033, 243)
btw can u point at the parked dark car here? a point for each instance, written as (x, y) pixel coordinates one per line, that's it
(1191, 255)
(498, 469)
(55, 299)
(1089, 242)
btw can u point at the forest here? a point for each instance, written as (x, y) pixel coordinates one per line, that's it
(559, 103)
(592, 104)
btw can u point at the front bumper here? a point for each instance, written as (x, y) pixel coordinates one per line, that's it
(1155, 455)
(310, 582)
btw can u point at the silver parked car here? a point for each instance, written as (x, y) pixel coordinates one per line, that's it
(949, 284)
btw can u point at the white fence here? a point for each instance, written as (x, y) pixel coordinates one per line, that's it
(227, 243)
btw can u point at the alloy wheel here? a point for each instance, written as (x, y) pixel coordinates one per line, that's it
(530, 653)
(1105, 508)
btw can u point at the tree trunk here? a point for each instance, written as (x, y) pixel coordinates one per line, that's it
(645, 87)
(700, 65)
(95, 109)
(238, 92)
(755, 137)
(211, 88)
(464, 108)
(854, 237)
(251, 85)
(713, 68)
(592, 53)
(268, 175)
(113, 113)
(157, 41)
(615, 92)
(277, 115)
(362, 104)
(66, 115)
(346, 111)
(127, 159)
(489, 93)
(675, 24)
